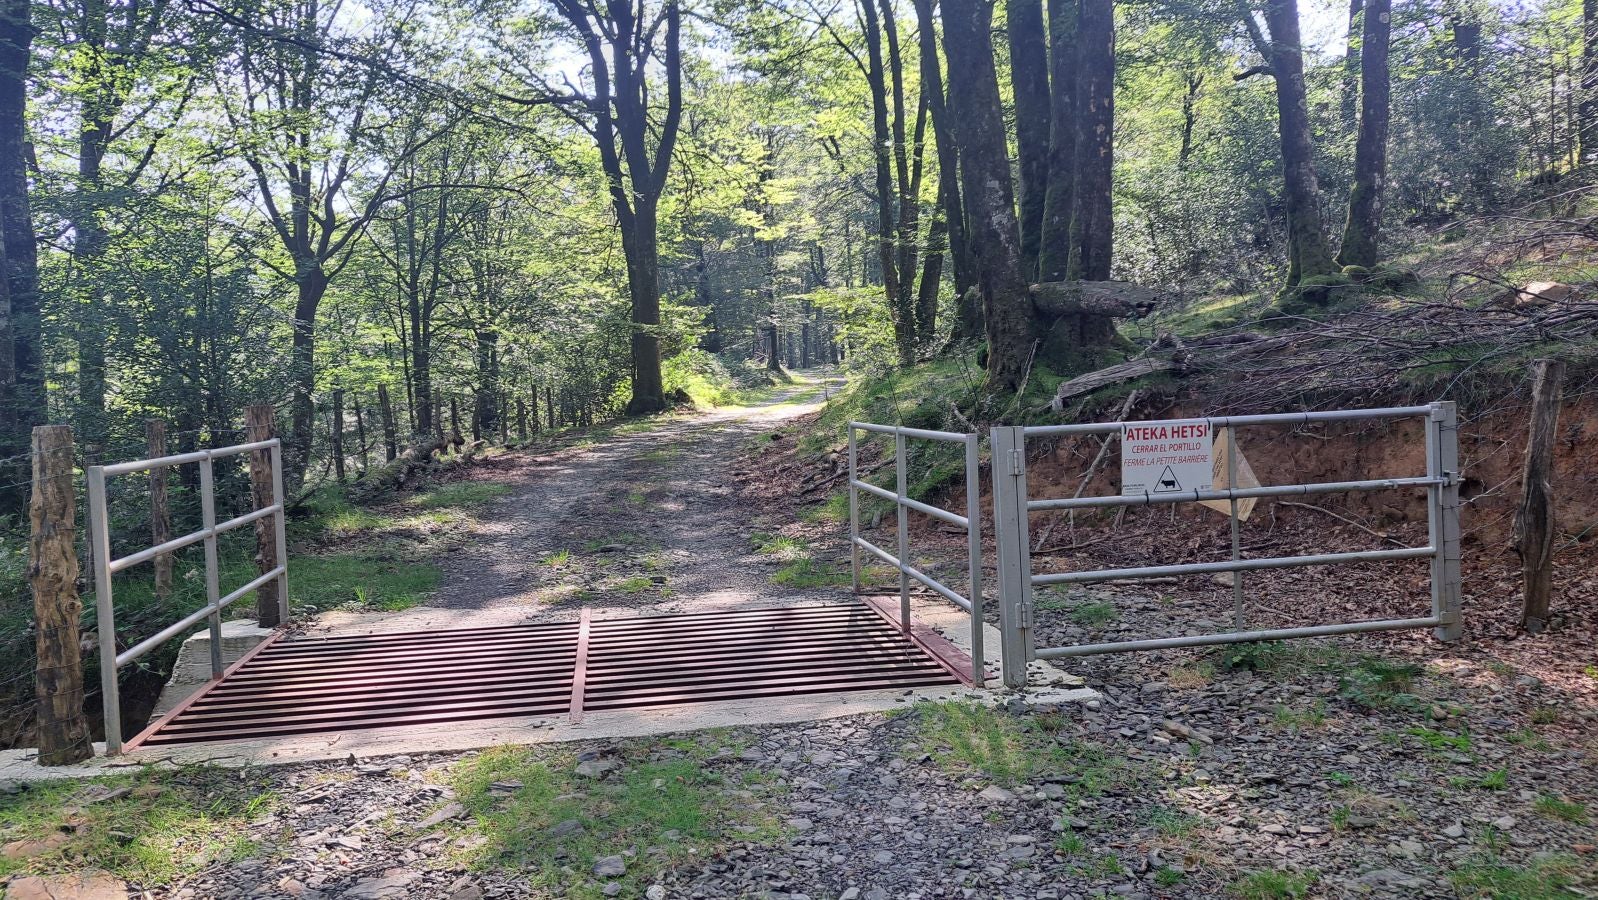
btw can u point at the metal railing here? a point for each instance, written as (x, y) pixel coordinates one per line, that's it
(971, 522)
(111, 662)
(1012, 506)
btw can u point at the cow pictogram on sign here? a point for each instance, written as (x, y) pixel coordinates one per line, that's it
(1167, 457)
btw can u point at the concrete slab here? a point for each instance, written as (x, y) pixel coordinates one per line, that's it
(192, 670)
(1048, 685)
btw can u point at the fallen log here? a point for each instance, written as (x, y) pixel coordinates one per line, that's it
(1120, 299)
(1092, 381)
(394, 475)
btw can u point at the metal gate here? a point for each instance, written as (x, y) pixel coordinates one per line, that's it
(903, 504)
(1013, 504)
(111, 662)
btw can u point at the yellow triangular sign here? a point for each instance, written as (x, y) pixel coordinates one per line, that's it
(1245, 478)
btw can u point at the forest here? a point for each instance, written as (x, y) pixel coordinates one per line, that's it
(395, 219)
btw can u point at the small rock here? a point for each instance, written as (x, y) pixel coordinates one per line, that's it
(504, 788)
(610, 867)
(392, 883)
(595, 768)
(611, 888)
(564, 828)
(1505, 823)
(92, 886)
(995, 794)
(441, 815)
(1455, 831)
(655, 892)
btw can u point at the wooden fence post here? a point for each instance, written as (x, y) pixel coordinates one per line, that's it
(260, 424)
(338, 434)
(160, 515)
(390, 435)
(360, 435)
(1534, 521)
(62, 728)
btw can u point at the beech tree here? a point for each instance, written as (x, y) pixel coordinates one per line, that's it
(22, 400)
(1362, 234)
(622, 41)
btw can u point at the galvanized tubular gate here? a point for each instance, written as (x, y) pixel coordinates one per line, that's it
(317, 685)
(1012, 505)
(971, 522)
(111, 662)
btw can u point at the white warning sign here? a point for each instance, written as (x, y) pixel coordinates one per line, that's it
(1176, 456)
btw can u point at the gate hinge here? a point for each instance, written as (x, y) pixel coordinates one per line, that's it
(1024, 614)
(1017, 462)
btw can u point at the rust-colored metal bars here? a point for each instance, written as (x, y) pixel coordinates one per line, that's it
(111, 662)
(317, 685)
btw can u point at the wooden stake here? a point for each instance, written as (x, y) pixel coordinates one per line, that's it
(338, 434)
(260, 424)
(1534, 520)
(360, 436)
(62, 729)
(390, 435)
(160, 515)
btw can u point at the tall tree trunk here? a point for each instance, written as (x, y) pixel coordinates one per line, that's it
(1092, 220)
(486, 412)
(1054, 255)
(995, 239)
(1029, 83)
(1308, 253)
(390, 435)
(22, 399)
(1362, 234)
(1352, 66)
(643, 285)
(336, 436)
(882, 148)
(968, 320)
(302, 362)
(1587, 112)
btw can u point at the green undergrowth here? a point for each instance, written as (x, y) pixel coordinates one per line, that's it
(664, 805)
(799, 569)
(153, 827)
(1274, 885)
(972, 738)
(1549, 878)
(1364, 679)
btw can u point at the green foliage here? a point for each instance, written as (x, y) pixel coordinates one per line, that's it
(1274, 885)
(1549, 878)
(1563, 810)
(966, 736)
(458, 495)
(1094, 614)
(679, 807)
(172, 825)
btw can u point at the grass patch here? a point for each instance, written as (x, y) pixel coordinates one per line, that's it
(963, 736)
(459, 495)
(637, 584)
(1275, 885)
(807, 573)
(1289, 719)
(1563, 810)
(1440, 741)
(1544, 879)
(1088, 615)
(378, 581)
(779, 546)
(172, 825)
(558, 559)
(672, 811)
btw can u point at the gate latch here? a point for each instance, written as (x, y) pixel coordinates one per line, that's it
(1017, 462)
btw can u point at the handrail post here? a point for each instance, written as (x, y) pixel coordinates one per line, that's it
(1237, 541)
(281, 535)
(854, 513)
(105, 610)
(1442, 432)
(1014, 557)
(904, 529)
(213, 578)
(973, 515)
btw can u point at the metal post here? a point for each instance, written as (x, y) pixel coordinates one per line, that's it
(213, 578)
(973, 514)
(1014, 555)
(1237, 541)
(105, 610)
(281, 537)
(904, 530)
(854, 515)
(1443, 462)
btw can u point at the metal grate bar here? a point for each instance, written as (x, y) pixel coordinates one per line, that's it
(347, 683)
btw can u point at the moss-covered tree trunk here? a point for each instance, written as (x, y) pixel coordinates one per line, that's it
(1054, 256)
(1308, 252)
(1029, 86)
(1362, 234)
(995, 241)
